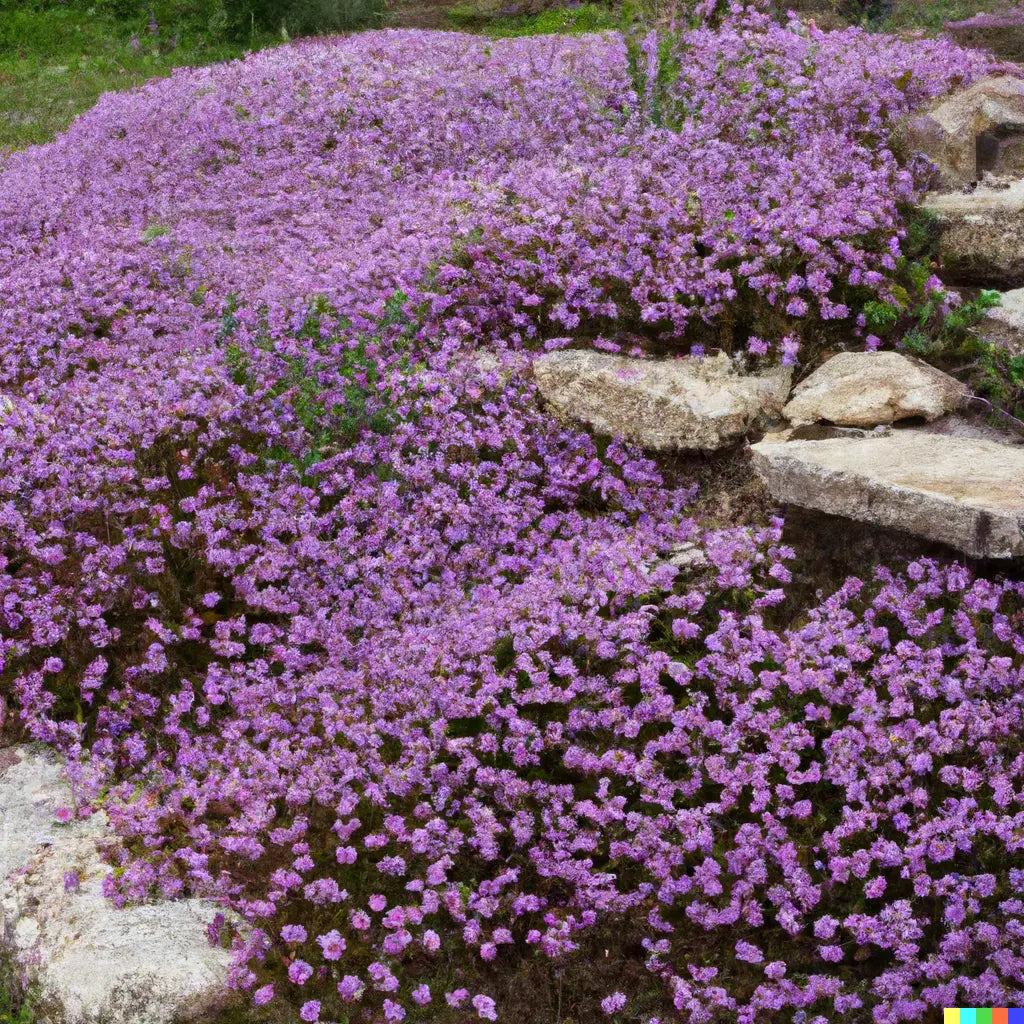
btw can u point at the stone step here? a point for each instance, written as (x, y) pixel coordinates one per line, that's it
(964, 493)
(981, 238)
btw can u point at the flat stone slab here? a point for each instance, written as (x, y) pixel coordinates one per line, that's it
(661, 404)
(981, 235)
(868, 389)
(88, 961)
(967, 494)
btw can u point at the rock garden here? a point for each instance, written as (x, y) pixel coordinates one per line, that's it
(520, 528)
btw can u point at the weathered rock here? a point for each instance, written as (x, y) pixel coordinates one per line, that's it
(976, 130)
(89, 962)
(966, 494)
(981, 238)
(866, 389)
(662, 404)
(1004, 325)
(1001, 34)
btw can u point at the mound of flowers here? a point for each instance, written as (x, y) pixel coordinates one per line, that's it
(343, 632)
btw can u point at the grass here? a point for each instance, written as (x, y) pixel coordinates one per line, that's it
(587, 17)
(55, 64)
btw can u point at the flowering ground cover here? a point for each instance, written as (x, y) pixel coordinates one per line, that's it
(343, 632)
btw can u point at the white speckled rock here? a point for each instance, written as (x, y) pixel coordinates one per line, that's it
(867, 389)
(661, 404)
(965, 493)
(89, 962)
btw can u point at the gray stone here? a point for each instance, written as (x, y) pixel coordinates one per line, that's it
(979, 129)
(89, 962)
(981, 238)
(964, 493)
(867, 389)
(661, 404)
(1004, 325)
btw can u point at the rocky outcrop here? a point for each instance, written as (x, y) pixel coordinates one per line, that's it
(661, 404)
(964, 493)
(1001, 34)
(866, 389)
(981, 237)
(977, 130)
(89, 962)
(1004, 325)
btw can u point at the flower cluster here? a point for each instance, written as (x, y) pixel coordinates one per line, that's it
(347, 635)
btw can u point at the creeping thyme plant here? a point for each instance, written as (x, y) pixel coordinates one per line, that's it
(348, 636)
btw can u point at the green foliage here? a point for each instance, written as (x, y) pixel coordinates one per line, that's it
(241, 19)
(363, 404)
(56, 60)
(15, 1006)
(930, 15)
(588, 17)
(155, 231)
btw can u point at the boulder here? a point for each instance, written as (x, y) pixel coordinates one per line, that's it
(981, 235)
(977, 130)
(87, 961)
(966, 494)
(1004, 325)
(661, 404)
(1000, 34)
(866, 389)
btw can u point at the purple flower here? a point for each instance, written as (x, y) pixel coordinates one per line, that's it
(293, 933)
(299, 972)
(484, 1006)
(613, 1004)
(263, 995)
(332, 944)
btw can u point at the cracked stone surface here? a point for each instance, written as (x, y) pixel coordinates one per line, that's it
(965, 493)
(868, 389)
(89, 962)
(991, 110)
(661, 404)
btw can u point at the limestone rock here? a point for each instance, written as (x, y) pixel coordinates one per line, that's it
(661, 404)
(1001, 34)
(89, 962)
(981, 235)
(977, 130)
(964, 493)
(1004, 325)
(866, 389)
